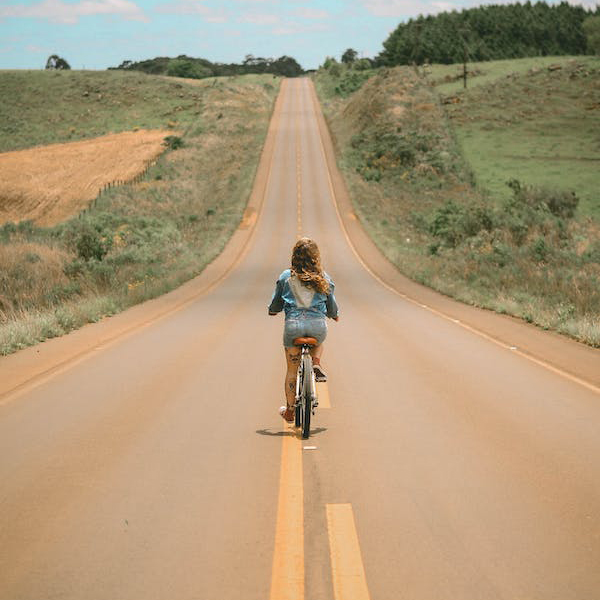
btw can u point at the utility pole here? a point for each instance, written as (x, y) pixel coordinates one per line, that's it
(463, 34)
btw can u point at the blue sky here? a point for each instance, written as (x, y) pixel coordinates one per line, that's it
(96, 34)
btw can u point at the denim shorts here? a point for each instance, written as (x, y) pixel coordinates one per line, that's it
(303, 327)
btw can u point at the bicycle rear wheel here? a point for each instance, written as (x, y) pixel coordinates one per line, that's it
(308, 388)
(298, 407)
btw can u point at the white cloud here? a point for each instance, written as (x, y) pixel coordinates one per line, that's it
(192, 7)
(413, 8)
(63, 12)
(259, 18)
(297, 28)
(311, 13)
(401, 8)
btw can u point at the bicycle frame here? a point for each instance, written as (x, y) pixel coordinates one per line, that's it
(306, 392)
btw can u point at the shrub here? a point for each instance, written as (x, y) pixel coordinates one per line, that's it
(88, 239)
(335, 70)
(173, 142)
(350, 82)
(453, 223)
(447, 224)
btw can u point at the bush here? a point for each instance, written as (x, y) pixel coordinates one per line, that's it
(453, 224)
(335, 70)
(88, 239)
(173, 142)
(557, 202)
(362, 64)
(537, 210)
(447, 224)
(350, 82)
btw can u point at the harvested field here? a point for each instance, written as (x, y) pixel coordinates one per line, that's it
(50, 183)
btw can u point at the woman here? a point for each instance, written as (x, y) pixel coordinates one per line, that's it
(305, 293)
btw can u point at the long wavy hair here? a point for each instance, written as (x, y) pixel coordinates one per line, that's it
(306, 265)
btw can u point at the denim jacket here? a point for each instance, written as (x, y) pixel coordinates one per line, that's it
(300, 301)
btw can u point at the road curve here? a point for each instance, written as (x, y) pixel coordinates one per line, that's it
(442, 464)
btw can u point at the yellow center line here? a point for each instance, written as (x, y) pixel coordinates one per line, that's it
(349, 581)
(298, 180)
(287, 577)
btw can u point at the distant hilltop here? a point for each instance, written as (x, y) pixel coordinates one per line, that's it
(200, 68)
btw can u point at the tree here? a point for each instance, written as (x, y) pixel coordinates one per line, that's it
(349, 56)
(186, 67)
(286, 66)
(591, 28)
(56, 62)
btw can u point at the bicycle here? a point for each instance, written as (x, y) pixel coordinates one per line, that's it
(306, 389)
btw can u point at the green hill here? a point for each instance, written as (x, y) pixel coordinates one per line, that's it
(428, 165)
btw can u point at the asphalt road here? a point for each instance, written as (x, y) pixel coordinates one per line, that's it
(444, 463)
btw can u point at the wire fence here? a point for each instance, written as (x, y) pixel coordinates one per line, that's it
(138, 178)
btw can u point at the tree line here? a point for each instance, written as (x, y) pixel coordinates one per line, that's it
(199, 68)
(489, 33)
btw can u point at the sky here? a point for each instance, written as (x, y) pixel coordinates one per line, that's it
(97, 34)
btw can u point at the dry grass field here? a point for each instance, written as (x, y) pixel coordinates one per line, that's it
(48, 184)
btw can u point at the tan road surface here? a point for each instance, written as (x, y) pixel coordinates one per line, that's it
(143, 458)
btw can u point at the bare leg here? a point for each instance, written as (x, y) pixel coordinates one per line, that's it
(316, 352)
(292, 356)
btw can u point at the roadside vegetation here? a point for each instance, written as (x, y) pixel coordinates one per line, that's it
(489, 194)
(137, 240)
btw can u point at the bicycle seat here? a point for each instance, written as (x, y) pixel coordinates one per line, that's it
(309, 341)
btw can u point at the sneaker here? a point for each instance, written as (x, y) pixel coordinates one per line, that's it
(287, 413)
(320, 375)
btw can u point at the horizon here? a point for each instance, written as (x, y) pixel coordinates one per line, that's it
(98, 34)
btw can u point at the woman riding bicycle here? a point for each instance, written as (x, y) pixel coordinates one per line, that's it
(305, 293)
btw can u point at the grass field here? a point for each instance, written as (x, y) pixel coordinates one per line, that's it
(427, 173)
(531, 123)
(141, 240)
(43, 107)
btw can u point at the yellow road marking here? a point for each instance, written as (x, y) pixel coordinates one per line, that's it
(349, 581)
(323, 395)
(287, 578)
(298, 179)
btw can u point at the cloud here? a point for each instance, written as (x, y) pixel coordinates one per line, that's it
(259, 18)
(311, 13)
(192, 7)
(63, 12)
(297, 28)
(402, 8)
(412, 8)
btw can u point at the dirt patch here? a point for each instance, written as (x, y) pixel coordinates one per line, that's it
(50, 183)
